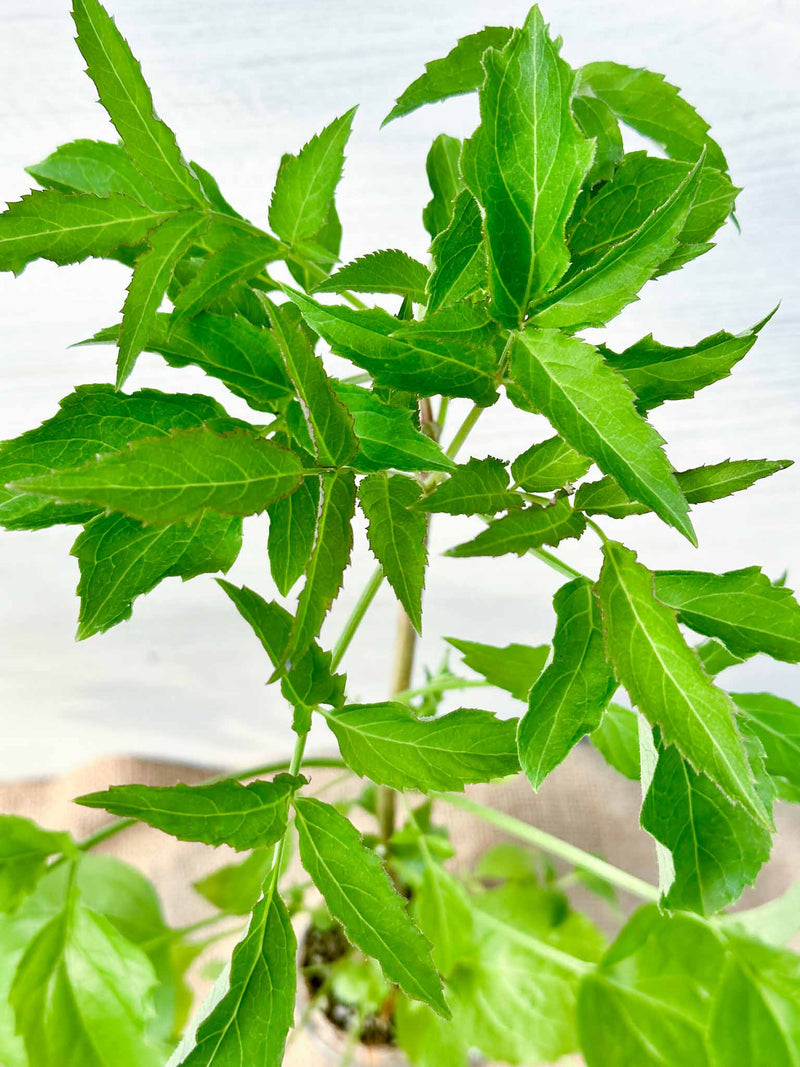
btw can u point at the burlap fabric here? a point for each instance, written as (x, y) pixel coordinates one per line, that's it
(583, 801)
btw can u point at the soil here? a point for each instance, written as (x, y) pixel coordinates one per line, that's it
(321, 948)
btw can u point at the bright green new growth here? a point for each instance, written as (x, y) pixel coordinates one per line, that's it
(540, 225)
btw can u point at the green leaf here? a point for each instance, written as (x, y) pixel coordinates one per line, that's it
(391, 271)
(329, 559)
(549, 465)
(443, 912)
(460, 263)
(91, 421)
(69, 228)
(698, 485)
(776, 724)
(648, 1002)
(310, 680)
(524, 529)
(360, 895)
(667, 683)
(292, 526)
(329, 423)
(775, 922)
(124, 94)
(755, 1018)
(449, 353)
(175, 478)
(596, 119)
(387, 436)
(24, 850)
(151, 276)
(250, 1023)
(568, 700)
(236, 262)
(445, 181)
(461, 71)
(478, 487)
(514, 668)
(592, 409)
(120, 559)
(715, 657)
(599, 284)
(306, 182)
(658, 372)
(617, 740)
(426, 1039)
(246, 359)
(397, 535)
(222, 813)
(525, 165)
(82, 994)
(647, 102)
(236, 887)
(390, 745)
(97, 167)
(742, 608)
(327, 242)
(717, 848)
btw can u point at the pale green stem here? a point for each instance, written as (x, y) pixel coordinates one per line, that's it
(440, 687)
(463, 432)
(555, 846)
(555, 563)
(358, 613)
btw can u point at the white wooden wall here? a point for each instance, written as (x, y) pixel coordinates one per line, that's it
(241, 82)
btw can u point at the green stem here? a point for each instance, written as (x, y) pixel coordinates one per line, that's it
(358, 613)
(440, 687)
(557, 564)
(555, 846)
(463, 432)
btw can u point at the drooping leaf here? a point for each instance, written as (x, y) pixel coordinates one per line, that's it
(292, 525)
(390, 745)
(390, 271)
(514, 668)
(451, 354)
(250, 1023)
(246, 359)
(568, 700)
(592, 409)
(549, 465)
(524, 529)
(120, 559)
(387, 436)
(776, 724)
(658, 372)
(236, 262)
(359, 894)
(478, 487)
(596, 119)
(525, 165)
(24, 850)
(667, 683)
(93, 420)
(328, 561)
(222, 813)
(461, 71)
(444, 178)
(742, 608)
(177, 477)
(698, 485)
(397, 536)
(617, 740)
(459, 254)
(717, 848)
(306, 182)
(97, 167)
(329, 423)
(599, 284)
(82, 993)
(310, 680)
(151, 276)
(647, 102)
(67, 228)
(236, 887)
(124, 94)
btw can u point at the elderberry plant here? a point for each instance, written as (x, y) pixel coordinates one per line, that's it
(542, 225)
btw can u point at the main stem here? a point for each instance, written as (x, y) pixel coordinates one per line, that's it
(404, 650)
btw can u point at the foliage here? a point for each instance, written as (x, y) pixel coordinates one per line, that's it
(541, 225)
